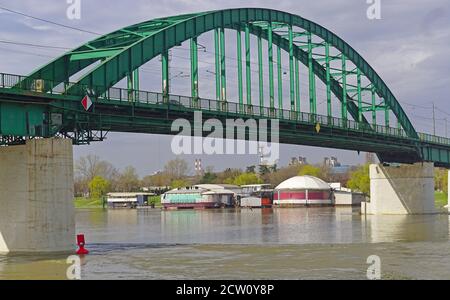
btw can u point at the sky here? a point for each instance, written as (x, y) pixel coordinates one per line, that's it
(408, 47)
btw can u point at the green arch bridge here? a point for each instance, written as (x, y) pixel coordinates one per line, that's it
(47, 102)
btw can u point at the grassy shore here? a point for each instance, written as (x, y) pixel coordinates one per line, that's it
(81, 202)
(440, 199)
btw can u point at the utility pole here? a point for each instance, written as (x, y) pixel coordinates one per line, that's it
(434, 122)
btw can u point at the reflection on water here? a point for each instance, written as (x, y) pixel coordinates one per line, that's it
(248, 243)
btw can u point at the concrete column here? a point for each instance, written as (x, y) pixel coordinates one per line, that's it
(36, 197)
(401, 189)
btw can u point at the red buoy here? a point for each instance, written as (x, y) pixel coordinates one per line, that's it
(81, 242)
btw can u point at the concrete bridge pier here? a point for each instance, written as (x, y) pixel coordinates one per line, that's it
(36, 197)
(401, 189)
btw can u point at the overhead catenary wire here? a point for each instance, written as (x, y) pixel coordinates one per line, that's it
(48, 21)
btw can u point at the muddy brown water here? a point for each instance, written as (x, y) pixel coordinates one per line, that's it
(283, 243)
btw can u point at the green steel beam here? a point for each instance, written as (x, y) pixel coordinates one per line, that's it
(297, 86)
(223, 74)
(94, 54)
(150, 35)
(239, 63)
(312, 79)
(386, 116)
(261, 72)
(359, 96)
(133, 85)
(165, 75)
(374, 112)
(270, 54)
(217, 62)
(344, 89)
(280, 80)
(248, 70)
(194, 69)
(291, 69)
(328, 82)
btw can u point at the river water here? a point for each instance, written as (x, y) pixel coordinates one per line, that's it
(280, 243)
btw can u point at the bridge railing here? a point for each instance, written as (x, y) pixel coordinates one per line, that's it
(425, 137)
(183, 102)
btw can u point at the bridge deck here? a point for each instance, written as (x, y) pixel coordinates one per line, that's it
(123, 110)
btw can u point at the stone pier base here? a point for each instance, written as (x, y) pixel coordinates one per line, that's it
(401, 189)
(36, 197)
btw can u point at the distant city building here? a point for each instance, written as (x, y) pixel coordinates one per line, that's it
(198, 167)
(331, 162)
(298, 161)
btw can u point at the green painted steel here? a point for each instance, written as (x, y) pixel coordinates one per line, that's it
(217, 63)
(223, 75)
(133, 84)
(139, 43)
(270, 54)
(344, 88)
(374, 110)
(320, 72)
(119, 55)
(360, 110)
(328, 79)
(223, 69)
(386, 115)
(194, 69)
(165, 74)
(291, 69)
(57, 113)
(279, 80)
(239, 63)
(248, 70)
(260, 72)
(297, 86)
(312, 79)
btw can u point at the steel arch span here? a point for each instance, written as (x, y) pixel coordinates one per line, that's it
(120, 54)
(47, 102)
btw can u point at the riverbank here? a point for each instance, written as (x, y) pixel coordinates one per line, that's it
(440, 199)
(82, 202)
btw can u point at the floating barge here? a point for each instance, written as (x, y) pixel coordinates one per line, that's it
(200, 196)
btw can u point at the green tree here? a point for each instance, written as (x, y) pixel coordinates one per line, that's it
(251, 169)
(247, 178)
(208, 177)
(98, 187)
(264, 170)
(360, 180)
(310, 170)
(128, 180)
(176, 168)
(179, 183)
(445, 182)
